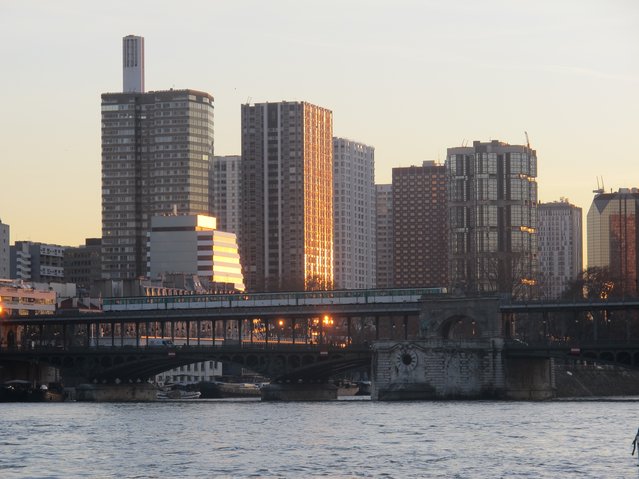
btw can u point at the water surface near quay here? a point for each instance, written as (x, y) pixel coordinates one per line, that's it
(350, 438)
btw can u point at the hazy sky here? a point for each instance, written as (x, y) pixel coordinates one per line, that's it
(411, 78)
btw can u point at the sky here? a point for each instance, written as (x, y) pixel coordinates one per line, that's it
(411, 78)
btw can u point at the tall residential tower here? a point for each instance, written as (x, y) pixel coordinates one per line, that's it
(286, 232)
(225, 192)
(354, 213)
(156, 152)
(385, 262)
(492, 218)
(560, 246)
(419, 226)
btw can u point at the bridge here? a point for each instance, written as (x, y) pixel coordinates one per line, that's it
(290, 337)
(293, 337)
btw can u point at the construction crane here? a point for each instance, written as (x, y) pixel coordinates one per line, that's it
(527, 139)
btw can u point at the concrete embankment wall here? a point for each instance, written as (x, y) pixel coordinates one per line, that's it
(591, 381)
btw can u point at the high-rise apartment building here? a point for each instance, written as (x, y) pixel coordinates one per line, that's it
(419, 226)
(493, 218)
(286, 233)
(133, 64)
(613, 239)
(225, 192)
(354, 214)
(560, 246)
(5, 251)
(385, 262)
(39, 262)
(156, 152)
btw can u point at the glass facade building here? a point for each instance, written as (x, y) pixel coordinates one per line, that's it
(492, 218)
(613, 242)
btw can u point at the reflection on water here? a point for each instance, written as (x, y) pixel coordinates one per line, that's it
(353, 438)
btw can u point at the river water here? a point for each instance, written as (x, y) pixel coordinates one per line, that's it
(349, 438)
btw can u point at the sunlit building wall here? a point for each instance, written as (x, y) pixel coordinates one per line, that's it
(192, 245)
(225, 192)
(419, 226)
(613, 242)
(560, 246)
(286, 228)
(493, 218)
(25, 299)
(5, 251)
(385, 262)
(354, 214)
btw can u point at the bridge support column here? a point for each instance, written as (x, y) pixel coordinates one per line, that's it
(437, 369)
(299, 392)
(530, 378)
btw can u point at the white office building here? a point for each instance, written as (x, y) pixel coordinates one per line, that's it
(191, 373)
(560, 246)
(353, 214)
(191, 244)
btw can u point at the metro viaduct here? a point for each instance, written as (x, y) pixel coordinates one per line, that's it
(288, 344)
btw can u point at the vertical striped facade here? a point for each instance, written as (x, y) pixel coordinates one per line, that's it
(286, 229)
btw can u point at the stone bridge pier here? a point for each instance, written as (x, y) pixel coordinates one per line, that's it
(459, 356)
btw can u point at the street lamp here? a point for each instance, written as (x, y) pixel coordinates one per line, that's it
(280, 323)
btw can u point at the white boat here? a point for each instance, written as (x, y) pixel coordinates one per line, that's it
(172, 392)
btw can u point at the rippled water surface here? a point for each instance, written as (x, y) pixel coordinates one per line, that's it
(335, 439)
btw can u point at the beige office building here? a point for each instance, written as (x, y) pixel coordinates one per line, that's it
(560, 247)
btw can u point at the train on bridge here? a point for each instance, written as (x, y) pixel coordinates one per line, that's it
(251, 300)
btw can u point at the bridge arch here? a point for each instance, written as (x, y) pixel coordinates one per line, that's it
(459, 327)
(624, 357)
(457, 318)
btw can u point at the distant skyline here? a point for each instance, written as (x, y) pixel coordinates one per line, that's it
(411, 78)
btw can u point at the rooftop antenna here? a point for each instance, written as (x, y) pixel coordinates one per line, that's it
(600, 189)
(527, 140)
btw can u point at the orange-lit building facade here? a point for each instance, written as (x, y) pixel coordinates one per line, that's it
(612, 238)
(286, 231)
